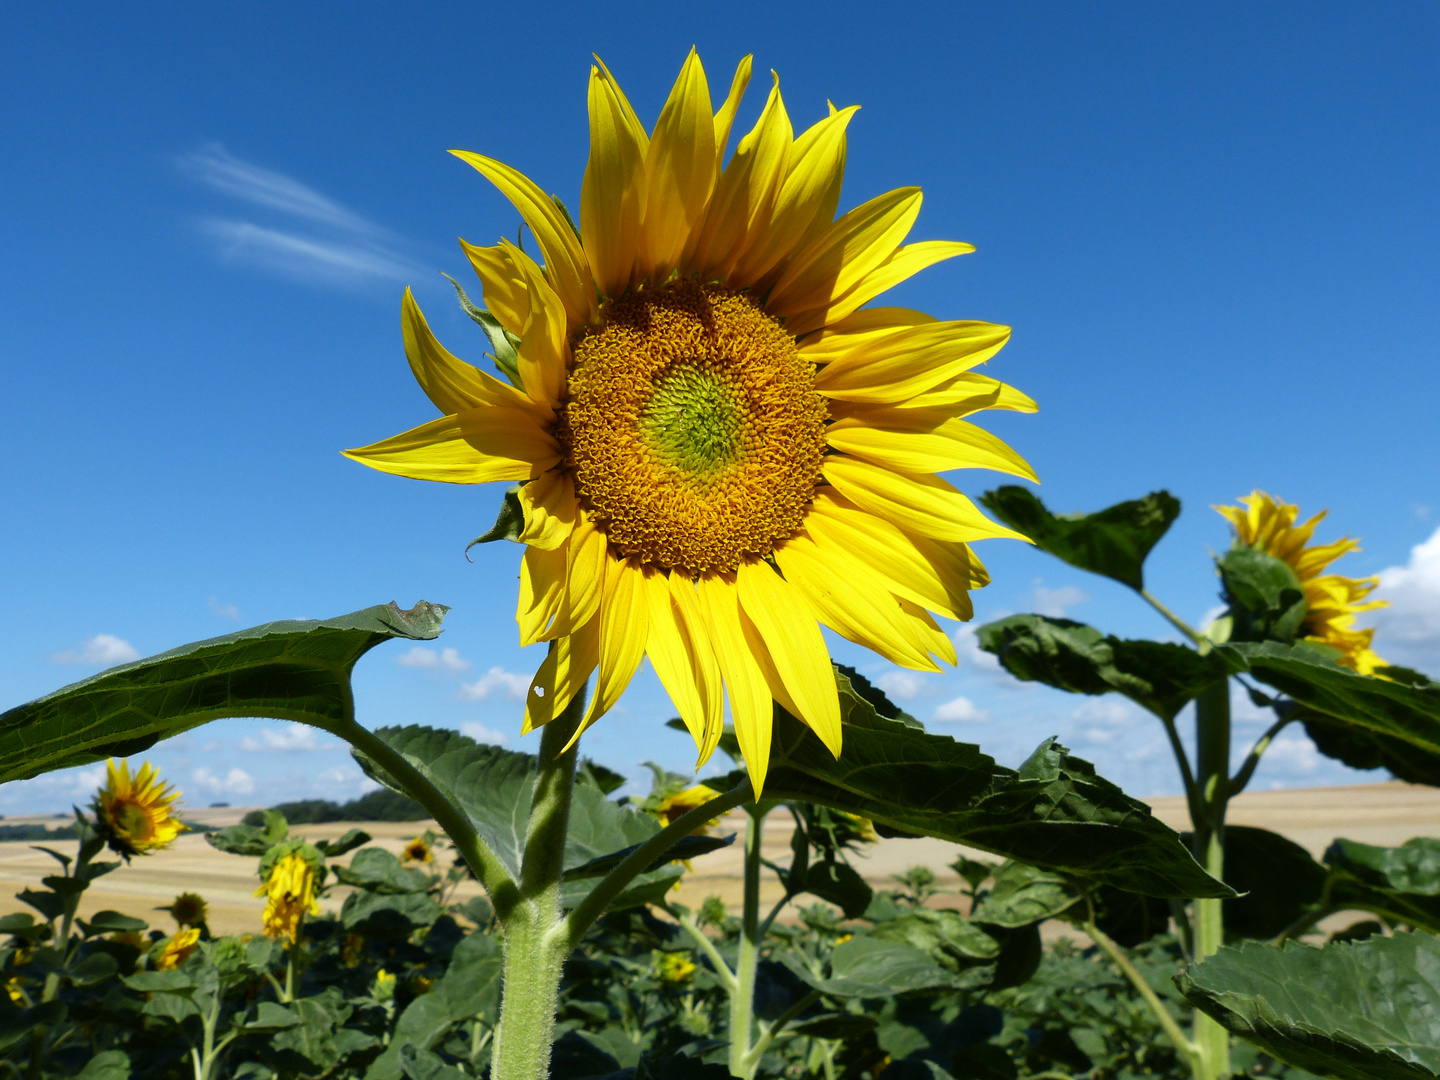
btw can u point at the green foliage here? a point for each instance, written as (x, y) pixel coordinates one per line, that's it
(286, 670)
(1277, 878)
(1113, 542)
(1067, 655)
(1266, 599)
(1363, 1010)
(380, 805)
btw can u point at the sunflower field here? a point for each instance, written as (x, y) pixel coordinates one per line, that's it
(718, 440)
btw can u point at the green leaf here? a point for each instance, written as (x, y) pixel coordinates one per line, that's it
(111, 922)
(492, 787)
(1277, 878)
(1022, 895)
(1364, 1010)
(1408, 713)
(285, 670)
(254, 840)
(106, 1065)
(1361, 748)
(1413, 867)
(1055, 812)
(509, 523)
(272, 1017)
(352, 839)
(840, 884)
(1156, 675)
(1266, 598)
(1113, 542)
(870, 967)
(379, 871)
(16, 1024)
(949, 939)
(391, 916)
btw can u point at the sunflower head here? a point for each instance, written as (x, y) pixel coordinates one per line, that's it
(719, 443)
(673, 967)
(681, 803)
(189, 909)
(1332, 602)
(289, 891)
(177, 949)
(417, 850)
(136, 814)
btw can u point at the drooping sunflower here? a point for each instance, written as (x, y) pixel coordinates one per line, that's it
(721, 447)
(1332, 601)
(289, 890)
(178, 949)
(136, 814)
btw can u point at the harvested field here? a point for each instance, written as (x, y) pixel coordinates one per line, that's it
(1374, 813)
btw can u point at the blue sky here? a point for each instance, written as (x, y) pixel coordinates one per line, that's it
(1212, 228)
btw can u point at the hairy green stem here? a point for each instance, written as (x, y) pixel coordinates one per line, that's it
(534, 952)
(1189, 1050)
(702, 939)
(1212, 742)
(778, 1027)
(742, 1000)
(1173, 619)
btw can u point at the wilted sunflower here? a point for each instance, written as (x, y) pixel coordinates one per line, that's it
(178, 949)
(1332, 601)
(136, 814)
(189, 909)
(290, 893)
(721, 448)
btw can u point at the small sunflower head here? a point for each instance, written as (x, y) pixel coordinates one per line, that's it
(178, 949)
(289, 892)
(136, 814)
(673, 967)
(1332, 602)
(418, 850)
(15, 990)
(189, 909)
(383, 988)
(681, 803)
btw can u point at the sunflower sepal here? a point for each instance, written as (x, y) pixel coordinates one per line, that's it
(503, 344)
(509, 522)
(1266, 597)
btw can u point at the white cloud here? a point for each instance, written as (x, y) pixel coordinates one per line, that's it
(235, 782)
(482, 734)
(421, 657)
(901, 685)
(225, 611)
(337, 244)
(960, 710)
(286, 738)
(1408, 631)
(1293, 755)
(496, 680)
(968, 652)
(102, 650)
(1056, 602)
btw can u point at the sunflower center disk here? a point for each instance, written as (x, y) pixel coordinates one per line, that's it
(693, 430)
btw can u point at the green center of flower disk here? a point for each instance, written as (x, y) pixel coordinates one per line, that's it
(694, 423)
(134, 821)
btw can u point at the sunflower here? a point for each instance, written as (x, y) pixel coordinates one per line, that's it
(189, 909)
(719, 447)
(290, 896)
(1331, 601)
(682, 802)
(417, 850)
(178, 949)
(672, 967)
(136, 814)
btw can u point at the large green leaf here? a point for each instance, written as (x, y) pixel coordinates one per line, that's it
(870, 967)
(1157, 675)
(1365, 1010)
(284, 670)
(1276, 877)
(1023, 894)
(1400, 884)
(1266, 598)
(1363, 748)
(1053, 812)
(492, 787)
(1396, 710)
(1113, 542)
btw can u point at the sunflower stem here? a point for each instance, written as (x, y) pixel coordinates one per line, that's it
(535, 945)
(742, 998)
(1212, 762)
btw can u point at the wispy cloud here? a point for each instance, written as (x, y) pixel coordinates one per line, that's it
(225, 611)
(960, 710)
(234, 782)
(102, 650)
(309, 235)
(286, 737)
(496, 681)
(1056, 602)
(443, 660)
(901, 685)
(1408, 631)
(482, 734)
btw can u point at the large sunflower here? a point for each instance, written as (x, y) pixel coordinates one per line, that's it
(721, 448)
(1332, 602)
(136, 814)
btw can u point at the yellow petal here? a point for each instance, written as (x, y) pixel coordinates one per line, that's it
(635, 129)
(585, 555)
(566, 266)
(927, 633)
(891, 366)
(845, 253)
(550, 508)
(745, 194)
(861, 329)
(680, 169)
(787, 624)
(612, 197)
(968, 393)
(920, 441)
(904, 263)
(439, 451)
(843, 593)
(750, 702)
(807, 199)
(924, 504)
(726, 116)
(450, 383)
(564, 673)
(543, 348)
(624, 627)
(510, 434)
(691, 621)
(542, 585)
(506, 294)
(933, 573)
(680, 660)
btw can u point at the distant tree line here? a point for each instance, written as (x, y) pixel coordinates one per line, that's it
(382, 805)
